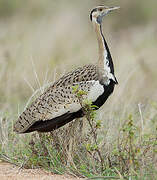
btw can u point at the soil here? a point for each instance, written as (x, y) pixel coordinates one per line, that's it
(12, 172)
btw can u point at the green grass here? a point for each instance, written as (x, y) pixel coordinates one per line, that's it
(72, 149)
(37, 51)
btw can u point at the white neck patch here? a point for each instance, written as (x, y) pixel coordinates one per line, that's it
(107, 70)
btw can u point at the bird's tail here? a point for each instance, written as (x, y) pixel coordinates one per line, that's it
(24, 121)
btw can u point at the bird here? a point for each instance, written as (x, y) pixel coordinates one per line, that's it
(58, 105)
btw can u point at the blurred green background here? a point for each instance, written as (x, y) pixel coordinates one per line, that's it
(132, 13)
(45, 39)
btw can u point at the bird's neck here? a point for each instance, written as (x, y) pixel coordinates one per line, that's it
(105, 63)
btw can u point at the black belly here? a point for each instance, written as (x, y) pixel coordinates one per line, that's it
(55, 123)
(107, 92)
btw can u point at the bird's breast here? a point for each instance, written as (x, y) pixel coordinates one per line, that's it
(95, 91)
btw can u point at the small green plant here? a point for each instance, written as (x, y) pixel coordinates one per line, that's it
(127, 148)
(90, 114)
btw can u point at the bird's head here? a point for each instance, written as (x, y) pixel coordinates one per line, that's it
(99, 12)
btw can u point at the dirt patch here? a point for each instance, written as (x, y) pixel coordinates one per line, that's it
(12, 172)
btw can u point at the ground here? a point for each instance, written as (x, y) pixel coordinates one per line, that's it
(12, 172)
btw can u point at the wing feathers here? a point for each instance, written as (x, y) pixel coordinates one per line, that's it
(59, 99)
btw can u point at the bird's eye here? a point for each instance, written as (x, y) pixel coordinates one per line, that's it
(100, 9)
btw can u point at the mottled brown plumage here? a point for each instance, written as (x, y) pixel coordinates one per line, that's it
(58, 97)
(58, 105)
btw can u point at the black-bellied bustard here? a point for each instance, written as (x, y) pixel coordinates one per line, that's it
(58, 105)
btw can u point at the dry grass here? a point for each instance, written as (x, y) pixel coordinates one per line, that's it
(36, 51)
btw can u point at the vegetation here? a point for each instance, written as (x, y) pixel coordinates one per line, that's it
(80, 148)
(120, 140)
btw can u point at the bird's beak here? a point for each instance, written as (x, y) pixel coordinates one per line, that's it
(113, 8)
(109, 9)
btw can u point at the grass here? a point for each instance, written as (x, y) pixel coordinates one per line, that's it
(82, 149)
(34, 55)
